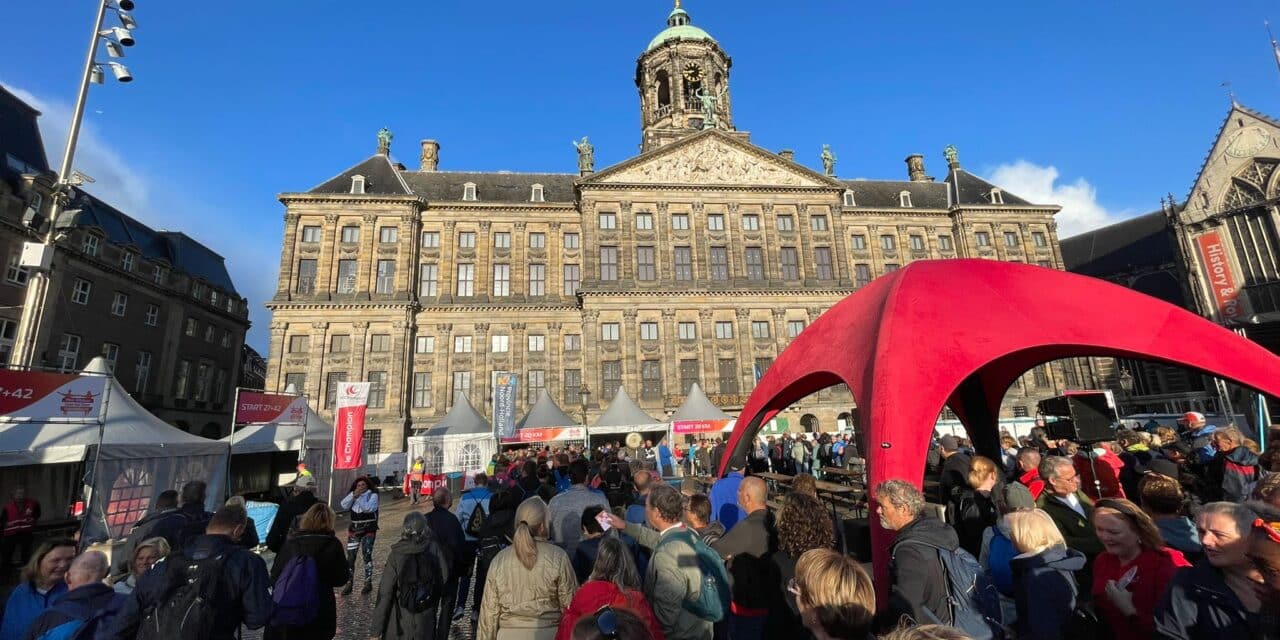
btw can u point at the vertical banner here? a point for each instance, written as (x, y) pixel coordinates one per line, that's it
(1221, 280)
(505, 384)
(348, 426)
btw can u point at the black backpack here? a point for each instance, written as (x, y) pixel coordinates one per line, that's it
(418, 586)
(475, 523)
(190, 605)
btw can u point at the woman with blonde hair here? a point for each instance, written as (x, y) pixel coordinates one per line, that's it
(42, 583)
(529, 583)
(314, 539)
(1044, 583)
(1134, 569)
(835, 596)
(145, 555)
(974, 509)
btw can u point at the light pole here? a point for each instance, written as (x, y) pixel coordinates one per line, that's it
(37, 257)
(584, 394)
(1126, 387)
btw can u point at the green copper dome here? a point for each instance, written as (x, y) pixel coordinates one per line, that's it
(679, 27)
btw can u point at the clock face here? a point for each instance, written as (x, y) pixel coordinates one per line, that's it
(692, 72)
(1247, 142)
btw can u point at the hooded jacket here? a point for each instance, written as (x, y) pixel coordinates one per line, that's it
(289, 511)
(24, 605)
(1199, 605)
(917, 579)
(1229, 476)
(1044, 590)
(594, 595)
(78, 607)
(331, 572)
(390, 620)
(524, 602)
(1135, 460)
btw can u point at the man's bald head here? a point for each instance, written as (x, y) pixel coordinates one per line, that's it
(752, 494)
(88, 568)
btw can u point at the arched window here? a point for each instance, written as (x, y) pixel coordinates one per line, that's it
(469, 457)
(129, 500)
(434, 457)
(809, 422)
(664, 89)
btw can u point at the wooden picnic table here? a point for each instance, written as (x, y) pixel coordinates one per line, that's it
(775, 477)
(841, 471)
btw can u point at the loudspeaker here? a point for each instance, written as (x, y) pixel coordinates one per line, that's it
(855, 534)
(1082, 417)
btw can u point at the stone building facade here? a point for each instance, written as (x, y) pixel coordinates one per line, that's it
(158, 305)
(696, 261)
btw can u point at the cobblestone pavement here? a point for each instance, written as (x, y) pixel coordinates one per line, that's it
(355, 610)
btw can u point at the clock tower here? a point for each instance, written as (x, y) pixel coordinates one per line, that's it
(683, 80)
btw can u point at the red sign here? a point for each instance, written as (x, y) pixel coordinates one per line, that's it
(682, 427)
(548, 434)
(1218, 274)
(36, 395)
(255, 407)
(348, 435)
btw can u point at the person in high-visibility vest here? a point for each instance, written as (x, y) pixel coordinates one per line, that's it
(415, 478)
(302, 470)
(17, 522)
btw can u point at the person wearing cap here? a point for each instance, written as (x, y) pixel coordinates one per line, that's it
(303, 489)
(1199, 436)
(724, 496)
(955, 469)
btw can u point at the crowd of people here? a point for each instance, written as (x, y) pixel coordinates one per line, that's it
(1159, 533)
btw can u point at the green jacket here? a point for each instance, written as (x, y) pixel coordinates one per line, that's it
(1075, 528)
(672, 577)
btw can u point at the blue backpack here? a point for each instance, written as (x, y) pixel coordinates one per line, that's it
(973, 600)
(713, 598)
(295, 593)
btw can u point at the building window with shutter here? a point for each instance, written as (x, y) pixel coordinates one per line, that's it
(611, 378)
(689, 375)
(683, 263)
(651, 380)
(728, 370)
(422, 389)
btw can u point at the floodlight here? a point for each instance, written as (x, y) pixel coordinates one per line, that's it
(127, 20)
(121, 72)
(114, 50)
(127, 5)
(121, 35)
(95, 74)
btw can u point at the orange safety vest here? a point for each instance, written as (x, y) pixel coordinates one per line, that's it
(19, 519)
(415, 473)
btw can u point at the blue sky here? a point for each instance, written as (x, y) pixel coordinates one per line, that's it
(1101, 107)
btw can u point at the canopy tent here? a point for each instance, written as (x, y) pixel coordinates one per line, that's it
(697, 416)
(623, 416)
(462, 442)
(141, 456)
(253, 447)
(545, 422)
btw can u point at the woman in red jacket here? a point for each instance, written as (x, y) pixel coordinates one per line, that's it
(614, 582)
(1131, 574)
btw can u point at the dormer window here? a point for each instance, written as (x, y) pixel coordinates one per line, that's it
(537, 195)
(126, 261)
(357, 184)
(469, 192)
(848, 199)
(91, 245)
(997, 196)
(904, 198)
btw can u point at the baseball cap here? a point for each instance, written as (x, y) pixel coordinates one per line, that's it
(1192, 416)
(305, 482)
(1018, 496)
(950, 443)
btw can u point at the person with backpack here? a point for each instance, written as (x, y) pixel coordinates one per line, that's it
(205, 592)
(362, 503)
(473, 509)
(197, 519)
(412, 582)
(973, 509)
(932, 580)
(302, 498)
(89, 602)
(529, 583)
(447, 531)
(686, 582)
(310, 565)
(493, 536)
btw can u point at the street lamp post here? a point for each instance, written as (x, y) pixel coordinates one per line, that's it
(1126, 386)
(584, 394)
(37, 257)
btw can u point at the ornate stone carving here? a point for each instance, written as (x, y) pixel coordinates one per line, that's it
(444, 328)
(625, 207)
(591, 316)
(339, 360)
(668, 315)
(279, 327)
(360, 326)
(484, 225)
(517, 326)
(705, 314)
(483, 327)
(802, 208)
(369, 218)
(554, 327)
(520, 226)
(698, 208)
(449, 225)
(295, 362)
(711, 161)
(742, 314)
(331, 218)
(319, 326)
(766, 207)
(629, 315)
(779, 314)
(555, 226)
(291, 218)
(662, 207)
(400, 325)
(733, 208)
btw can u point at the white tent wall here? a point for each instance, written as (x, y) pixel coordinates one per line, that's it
(125, 489)
(466, 453)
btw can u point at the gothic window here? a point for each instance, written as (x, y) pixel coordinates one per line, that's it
(1239, 196)
(1259, 173)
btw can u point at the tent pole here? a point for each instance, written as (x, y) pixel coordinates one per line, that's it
(306, 415)
(97, 456)
(235, 418)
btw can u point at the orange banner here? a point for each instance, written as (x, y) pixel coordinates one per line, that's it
(1222, 282)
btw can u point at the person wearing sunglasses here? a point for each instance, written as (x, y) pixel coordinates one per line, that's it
(611, 624)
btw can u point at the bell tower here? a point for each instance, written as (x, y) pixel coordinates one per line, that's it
(683, 80)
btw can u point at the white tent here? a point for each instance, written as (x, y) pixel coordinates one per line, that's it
(462, 442)
(274, 437)
(697, 407)
(623, 416)
(141, 456)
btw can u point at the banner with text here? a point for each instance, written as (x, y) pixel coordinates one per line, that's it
(686, 427)
(547, 434)
(256, 407)
(348, 435)
(1222, 282)
(37, 396)
(505, 385)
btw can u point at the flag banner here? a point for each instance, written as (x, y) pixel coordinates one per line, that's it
(348, 436)
(38, 396)
(505, 385)
(256, 407)
(683, 427)
(547, 434)
(1222, 282)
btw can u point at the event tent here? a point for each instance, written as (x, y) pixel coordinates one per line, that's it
(141, 456)
(697, 406)
(462, 442)
(623, 416)
(545, 422)
(255, 444)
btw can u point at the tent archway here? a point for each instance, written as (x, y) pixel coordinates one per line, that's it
(976, 344)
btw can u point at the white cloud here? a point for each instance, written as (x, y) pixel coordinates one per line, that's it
(1040, 184)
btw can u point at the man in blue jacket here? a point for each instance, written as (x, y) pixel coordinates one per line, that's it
(88, 602)
(724, 496)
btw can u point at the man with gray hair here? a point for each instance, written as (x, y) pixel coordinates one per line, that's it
(87, 603)
(918, 582)
(1069, 507)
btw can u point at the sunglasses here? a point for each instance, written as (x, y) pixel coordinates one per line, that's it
(607, 623)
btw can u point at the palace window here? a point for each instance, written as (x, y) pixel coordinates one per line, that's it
(997, 196)
(683, 263)
(688, 330)
(462, 344)
(377, 389)
(794, 327)
(310, 234)
(1011, 239)
(502, 240)
(917, 243)
(645, 269)
(386, 282)
(648, 331)
(422, 389)
(1038, 238)
(536, 381)
(609, 332)
(608, 220)
(818, 223)
(380, 343)
(466, 281)
(786, 223)
(499, 343)
(728, 370)
(754, 257)
(424, 344)
(296, 381)
(571, 241)
(340, 343)
(789, 262)
(751, 222)
(501, 280)
(537, 343)
(848, 199)
(572, 342)
(982, 239)
(719, 262)
(724, 330)
(427, 280)
(715, 222)
(350, 234)
(759, 329)
(469, 191)
(537, 194)
(888, 243)
(858, 242)
(944, 242)
(347, 276)
(299, 344)
(572, 387)
(331, 383)
(537, 279)
(461, 386)
(572, 278)
(689, 375)
(651, 380)
(904, 198)
(388, 235)
(307, 275)
(644, 221)
(431, 239)
(467, 240)
(608, 263)
(680, 221)
(611, 378)
(822, 262)
(537, 240)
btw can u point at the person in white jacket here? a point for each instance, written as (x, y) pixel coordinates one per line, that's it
(362, 503)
